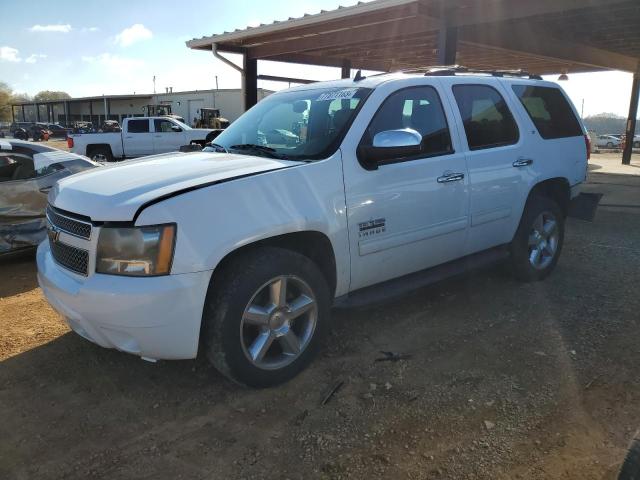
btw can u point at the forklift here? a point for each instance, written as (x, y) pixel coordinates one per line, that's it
(210, 118)
(162, 110)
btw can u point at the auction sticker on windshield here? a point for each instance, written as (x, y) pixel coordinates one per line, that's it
(345, 94)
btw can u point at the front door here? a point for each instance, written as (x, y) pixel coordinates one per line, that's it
(409, 213)
(165, 139)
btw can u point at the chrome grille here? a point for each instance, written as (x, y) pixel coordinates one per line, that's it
(72, 258)
(69, 225)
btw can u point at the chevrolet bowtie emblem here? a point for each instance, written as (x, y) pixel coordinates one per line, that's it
(53, 233)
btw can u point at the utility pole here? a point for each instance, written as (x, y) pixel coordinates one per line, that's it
(216, 82)
(154, 84)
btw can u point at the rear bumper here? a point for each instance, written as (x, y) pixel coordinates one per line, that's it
(156, 317)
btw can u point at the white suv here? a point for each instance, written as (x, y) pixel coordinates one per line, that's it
(337, 192)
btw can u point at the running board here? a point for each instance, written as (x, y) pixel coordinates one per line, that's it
(397, 287)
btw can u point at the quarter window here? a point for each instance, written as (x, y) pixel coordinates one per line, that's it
(487, 120)
(138, 126)
(417, 108)
(549, 110)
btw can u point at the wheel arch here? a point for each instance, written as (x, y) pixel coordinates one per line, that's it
(94, 146)
(312, 244)
(558, 189)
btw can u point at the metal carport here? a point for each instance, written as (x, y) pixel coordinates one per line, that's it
(541, 36)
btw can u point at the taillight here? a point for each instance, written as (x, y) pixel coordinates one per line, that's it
(587, 142)
(69, 142)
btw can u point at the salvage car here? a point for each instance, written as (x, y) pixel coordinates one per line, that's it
(27, 172)
(395, 181)
(57, 130)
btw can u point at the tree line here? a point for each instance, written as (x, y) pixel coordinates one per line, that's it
(603, 123)
(8, 97)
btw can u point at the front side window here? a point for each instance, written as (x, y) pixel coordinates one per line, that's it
(163, 126)
(138, 126)
(549, 110)
(298, 125)
(487, 120)
(416, 108)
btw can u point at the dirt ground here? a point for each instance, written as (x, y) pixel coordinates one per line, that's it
(505, 381)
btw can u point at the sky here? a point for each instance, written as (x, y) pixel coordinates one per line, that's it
(92, 47)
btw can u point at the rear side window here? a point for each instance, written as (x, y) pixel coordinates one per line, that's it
(138, 126)
(487, 120)
(549, 110)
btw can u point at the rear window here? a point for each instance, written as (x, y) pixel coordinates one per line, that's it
(549, 110)
(138, 126)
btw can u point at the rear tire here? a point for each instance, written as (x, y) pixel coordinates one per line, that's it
(537, 244)
(101, 154)
(252, 333)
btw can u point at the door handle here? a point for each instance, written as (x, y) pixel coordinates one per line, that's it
(128, 136)
(522, 162)
(451, 177)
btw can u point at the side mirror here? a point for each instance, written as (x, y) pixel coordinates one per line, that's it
(390, 144)
(175, 128)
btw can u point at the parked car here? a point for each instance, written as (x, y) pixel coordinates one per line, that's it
(241, 250)
(57, 130)
(110, 126)
(140, 136)
(27, 126)
(608, 141)
(27, 172)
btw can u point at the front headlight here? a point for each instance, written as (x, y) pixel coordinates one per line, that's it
(136, 251)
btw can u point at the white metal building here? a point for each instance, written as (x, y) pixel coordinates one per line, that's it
(116, 107)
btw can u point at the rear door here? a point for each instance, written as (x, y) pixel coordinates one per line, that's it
(496, 160)
(165, 139)
(138, 139)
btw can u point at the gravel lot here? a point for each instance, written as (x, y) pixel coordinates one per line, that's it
(506, 380)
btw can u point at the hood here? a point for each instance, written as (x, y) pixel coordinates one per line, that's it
(116, 192)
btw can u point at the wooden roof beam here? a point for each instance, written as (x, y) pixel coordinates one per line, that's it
(488, 11)
(540, 43)
(394, 29)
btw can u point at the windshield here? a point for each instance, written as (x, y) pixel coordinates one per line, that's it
(298, 125)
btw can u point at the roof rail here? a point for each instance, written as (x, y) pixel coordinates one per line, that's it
(447, 70)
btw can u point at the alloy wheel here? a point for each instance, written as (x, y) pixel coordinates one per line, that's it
(543, 240)
(278, 323)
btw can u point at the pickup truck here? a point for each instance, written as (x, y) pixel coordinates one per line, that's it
(140, 136)
(380, 185)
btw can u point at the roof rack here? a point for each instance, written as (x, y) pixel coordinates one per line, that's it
(447, 70)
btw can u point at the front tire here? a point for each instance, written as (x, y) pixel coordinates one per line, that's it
(265, 315)
(537, 244)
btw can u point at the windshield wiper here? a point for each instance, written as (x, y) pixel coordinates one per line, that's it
(217, 146)
(271, 152)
